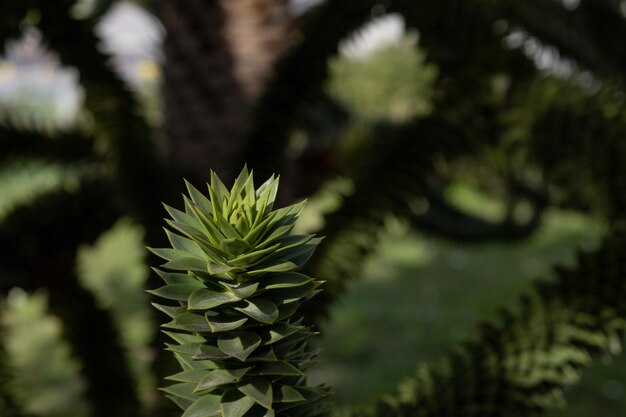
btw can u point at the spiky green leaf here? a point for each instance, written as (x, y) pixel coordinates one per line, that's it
(219, 377)
(236, 258)
(234, 246)
(177, 292)
(199, 198)
(287, 394)
(224, 323)
(280, 267)
(187, 264)
(239, 344)
(205, 406)
(261, 390)
(183, 390)
(260, 310)
(242, 289)
(281, 368)
(190, 322)
(189, 375)
(286, 280)
(203, 299)
(235, 403)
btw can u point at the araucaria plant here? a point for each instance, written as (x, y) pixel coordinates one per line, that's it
(231, 270)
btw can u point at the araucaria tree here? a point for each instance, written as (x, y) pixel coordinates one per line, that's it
(525, 103)
(231, 269)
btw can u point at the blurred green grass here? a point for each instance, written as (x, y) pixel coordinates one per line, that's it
(419, 297)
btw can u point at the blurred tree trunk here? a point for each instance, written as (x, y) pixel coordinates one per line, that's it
(219, 54)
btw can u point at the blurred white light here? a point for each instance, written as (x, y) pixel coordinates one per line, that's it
(378, 33)
(298, 7)
(546, 58)
(133, 37)
(571, 4)
(515, 39)
(32, 81)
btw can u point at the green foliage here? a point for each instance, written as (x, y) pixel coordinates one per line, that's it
(406, 156)
(232, 269)
(487, 113)
(391, 83)
(8, 407)
(579, 33)
(410, 304)
(579, 145)
(114, 270)
(22, 182)
(45, 378)
(84, 9)
(523, 365)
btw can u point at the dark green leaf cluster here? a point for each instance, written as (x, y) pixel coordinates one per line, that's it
(231, 269)
(579, 145)
(390, 155)
(8, 407)
(523, 366)
(406, 156)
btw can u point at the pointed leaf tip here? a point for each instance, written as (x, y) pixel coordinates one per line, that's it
(263, 311)
(235, 403)
(205, 406)
(260, 390)
(204, 299)
(239, 344)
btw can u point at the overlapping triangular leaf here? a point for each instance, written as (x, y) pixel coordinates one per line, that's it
(231, 272)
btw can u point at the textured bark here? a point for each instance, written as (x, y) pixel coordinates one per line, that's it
(218, 55)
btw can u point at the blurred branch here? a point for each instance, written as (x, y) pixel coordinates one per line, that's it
(525, 364)
(394, 167)
(583, 34)
(297, 80)
(406, 156)
(457, 36)
(582, 152)
(35, 259)
(12, 14)
(607, 23)
(116, 114)
(96, 343)
(52, 228)
(8, 407)
(447, 221)
(574, 140)
(140, 175)
(68, 147)
(389, 171)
